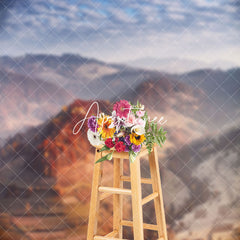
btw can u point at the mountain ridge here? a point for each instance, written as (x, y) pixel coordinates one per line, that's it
(178, 65)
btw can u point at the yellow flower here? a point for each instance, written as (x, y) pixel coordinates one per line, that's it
(104, 123)
(137, 139)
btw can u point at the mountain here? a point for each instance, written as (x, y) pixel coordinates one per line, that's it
(177, 65)
(34, 146)
(43, 83)
(87, 78)
(1, 141)
(45, 179)
(200, 183)
(27, 101)
(202, 101)
(217, 83)
(213, 160)
(57, 69)
(72, 72)
(214, 82)
(222, 89)
(48, 172)
(182, 105)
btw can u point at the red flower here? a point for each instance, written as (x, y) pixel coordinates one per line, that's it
(109, 143)
(120, 147)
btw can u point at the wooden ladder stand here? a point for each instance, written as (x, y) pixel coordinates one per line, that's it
(100, 192)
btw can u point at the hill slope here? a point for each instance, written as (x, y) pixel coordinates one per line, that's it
(27, 102)
(50, 163)
(222, 89)
(45, 179)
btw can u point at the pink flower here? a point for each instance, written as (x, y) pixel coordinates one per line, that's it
(130, 120)
(140, 113)
(140, 122)
(122, 108)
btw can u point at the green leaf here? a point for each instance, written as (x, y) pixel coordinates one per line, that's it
(146, 126)
(106, 157)
(158, 140)
(132, 156)
(109, 156)
(155, 128)
(104, 148)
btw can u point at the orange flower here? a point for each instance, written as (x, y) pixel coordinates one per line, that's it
(104, 129)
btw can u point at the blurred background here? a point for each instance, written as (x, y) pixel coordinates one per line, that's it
(179, 58)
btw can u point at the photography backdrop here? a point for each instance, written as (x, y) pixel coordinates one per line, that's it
(178, 58)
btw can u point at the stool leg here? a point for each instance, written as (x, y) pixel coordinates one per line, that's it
(94, 203)
(158, 201)
(117, 198)
(136, 199)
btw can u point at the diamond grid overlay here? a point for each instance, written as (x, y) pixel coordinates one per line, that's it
(86, 86)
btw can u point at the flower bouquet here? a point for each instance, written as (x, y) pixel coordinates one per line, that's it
(125, 130)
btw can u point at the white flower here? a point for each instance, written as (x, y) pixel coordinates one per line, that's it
(138, 129)
(94, 138)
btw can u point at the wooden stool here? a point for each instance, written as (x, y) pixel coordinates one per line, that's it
(100, 192)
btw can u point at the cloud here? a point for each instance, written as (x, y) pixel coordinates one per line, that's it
(120, 29)
(5, 5)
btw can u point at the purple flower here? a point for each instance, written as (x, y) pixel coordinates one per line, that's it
(126, 149)
(92, 124)
(127, 140)
(136, 148)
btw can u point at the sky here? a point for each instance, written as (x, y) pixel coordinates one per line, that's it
(123, 30)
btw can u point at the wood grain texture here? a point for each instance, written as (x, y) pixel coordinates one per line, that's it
(117, 198)
(94, 203)
(136, 199)
(143, 180)
(149, 197)
(145, 225)
(158, 201)
(115, 190)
